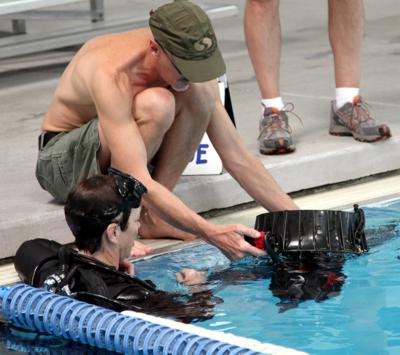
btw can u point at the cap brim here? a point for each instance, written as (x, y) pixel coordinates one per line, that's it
(198, 71)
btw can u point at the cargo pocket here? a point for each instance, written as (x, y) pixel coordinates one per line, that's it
(62, 177)
(44, 171)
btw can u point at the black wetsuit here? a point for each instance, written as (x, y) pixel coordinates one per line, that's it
(45, 263)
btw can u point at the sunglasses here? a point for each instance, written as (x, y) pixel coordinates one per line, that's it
(171, 60)
(130, 189)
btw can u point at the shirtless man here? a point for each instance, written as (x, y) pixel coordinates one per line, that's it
(147, 96)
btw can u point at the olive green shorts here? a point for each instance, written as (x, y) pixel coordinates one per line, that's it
(67, 159)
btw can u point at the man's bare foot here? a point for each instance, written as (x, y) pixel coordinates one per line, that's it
(140, 249)
(151, 226)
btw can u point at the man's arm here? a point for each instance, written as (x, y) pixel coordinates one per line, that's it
(113, 99)
(243, 165)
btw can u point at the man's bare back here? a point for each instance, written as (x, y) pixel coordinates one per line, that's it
(116, 54)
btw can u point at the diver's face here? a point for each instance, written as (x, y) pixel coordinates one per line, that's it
(128, 236)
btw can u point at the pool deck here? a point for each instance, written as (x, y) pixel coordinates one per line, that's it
(26, 86)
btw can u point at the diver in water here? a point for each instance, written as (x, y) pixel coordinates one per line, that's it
(307, 251)
(307, 248)
(103, 215)
(298, 278)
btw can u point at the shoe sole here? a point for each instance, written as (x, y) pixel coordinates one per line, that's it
(362, 138)
(277, 151)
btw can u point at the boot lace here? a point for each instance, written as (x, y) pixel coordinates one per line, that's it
(360, 112)
(276, 123)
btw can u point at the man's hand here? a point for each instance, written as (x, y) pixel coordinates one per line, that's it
(229, 238)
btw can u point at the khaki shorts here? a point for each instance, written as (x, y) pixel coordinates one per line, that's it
(67, 159)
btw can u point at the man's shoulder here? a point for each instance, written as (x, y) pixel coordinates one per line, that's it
(107, 62)
(110, 79)
(99, 71)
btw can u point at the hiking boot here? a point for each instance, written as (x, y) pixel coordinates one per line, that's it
(354, 119)
(275, 133)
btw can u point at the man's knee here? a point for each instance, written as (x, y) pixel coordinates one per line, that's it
(200, 99)
(155, 106)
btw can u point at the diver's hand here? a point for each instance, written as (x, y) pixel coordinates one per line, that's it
(229, 238)
(189, 277)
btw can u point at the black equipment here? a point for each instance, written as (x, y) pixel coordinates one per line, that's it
(62, 270)
(311, 231)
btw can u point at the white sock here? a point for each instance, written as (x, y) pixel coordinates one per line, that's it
(276, 102)
(344, 95)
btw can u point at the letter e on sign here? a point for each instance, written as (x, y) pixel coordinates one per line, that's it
(201, 151)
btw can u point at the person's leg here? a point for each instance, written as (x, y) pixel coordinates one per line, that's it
(263, 38)
(346, 28)
(172, 125)
(193, 112)
(153, 111)
(349, 115)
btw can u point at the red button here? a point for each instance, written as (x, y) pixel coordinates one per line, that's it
(260, 242)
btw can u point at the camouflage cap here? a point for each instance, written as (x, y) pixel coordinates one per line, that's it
(184, 30)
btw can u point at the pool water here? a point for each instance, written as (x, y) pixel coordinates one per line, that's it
(345, 306)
